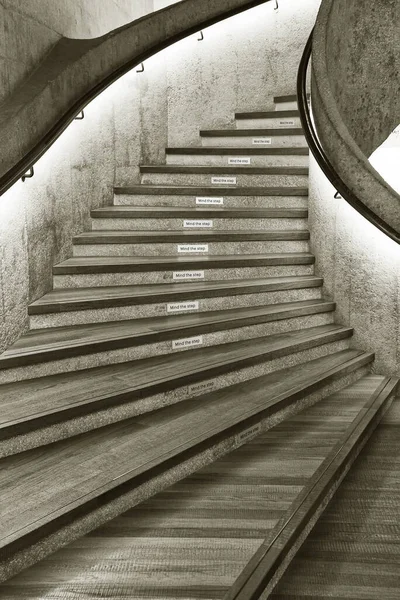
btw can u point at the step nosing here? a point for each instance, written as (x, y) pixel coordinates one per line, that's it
(207, 323)
(165, 458)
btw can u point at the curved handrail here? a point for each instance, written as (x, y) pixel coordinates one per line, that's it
(321, 156)
(82, 49)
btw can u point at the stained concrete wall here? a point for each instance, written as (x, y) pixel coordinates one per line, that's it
(132, 123)
(241, 64)
(363, 65)
(361, 271)
(29, 29)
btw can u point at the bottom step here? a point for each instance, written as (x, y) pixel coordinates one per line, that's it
(57, 493)
(250, 506)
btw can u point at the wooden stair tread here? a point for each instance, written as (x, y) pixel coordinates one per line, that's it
(368, 399)
(229, 170)
(272, 114)
(187, 522)
(29, 401)
(176, 212)
(39, 487)
(154, 237)
(125, 264)
(181, 190)
(96, 297)
(60, 342)
(287, 150)
(252, 132)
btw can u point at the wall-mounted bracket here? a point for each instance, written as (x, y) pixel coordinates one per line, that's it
(81, 116)
(141, 69)
(28, 174)
(276, 7)
(337, 196)
(201, 38)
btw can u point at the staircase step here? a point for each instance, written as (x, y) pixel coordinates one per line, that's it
(85, 346)
(112, 393)
(90, 305)
(279, 119)
(132, 270)
(172, 217)
(256, 157)
(273, 114)
(241, 176)
(268, 564)
(274, 137)
(56, 496)
(173, 243)
(191, 196)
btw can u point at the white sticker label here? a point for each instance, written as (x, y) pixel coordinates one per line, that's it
(223, 180)
(262, 141)
(189, 248)
(187, 342)
(175, 307)
(248, 433)
(208, 201)
(239, 161)
(201, 388)
(187, 275)
(286, 123)
(197, 223)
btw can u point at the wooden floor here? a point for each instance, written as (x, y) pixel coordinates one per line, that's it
(354, 550)
(192, 540)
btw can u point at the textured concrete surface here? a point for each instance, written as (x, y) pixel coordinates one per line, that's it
(66, 429)
(228, 201)
(345, 153)
(87, 523)
(100, 279)
(364, 36)
(361, 271)
(239, 66)
(87, 361)
(218, 224)
(28, 30)
(156, 310)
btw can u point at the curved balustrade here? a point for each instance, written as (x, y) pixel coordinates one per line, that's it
(76, 71)
(322, 158)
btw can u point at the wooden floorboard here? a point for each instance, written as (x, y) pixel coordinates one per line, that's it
(354, 550)
(176, 212)
(181, 190)
(25, 403)
(129, 264)
(102, 297)
(61, 342)
(192, 540)
(41, 485)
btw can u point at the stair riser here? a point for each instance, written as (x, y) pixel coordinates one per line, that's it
(286, 105)
(241, 180)
(228, 201)
(270, 123)
(156, 310)
(277, 141)
(154, 401)
(79, 527)
(105, 279)
(223, 160)
(214, 248)
(146, 350)
(178, 224)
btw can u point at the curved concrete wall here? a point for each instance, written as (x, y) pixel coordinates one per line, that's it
(349, 160)
(363, 67)
(132, 123)
(28, 30)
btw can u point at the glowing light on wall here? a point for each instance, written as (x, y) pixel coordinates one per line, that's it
(386, 160)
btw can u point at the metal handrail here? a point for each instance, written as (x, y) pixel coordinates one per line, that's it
(26, 163)
(321, 156)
